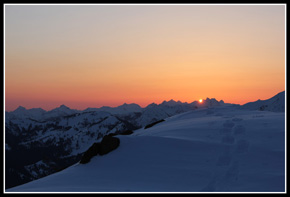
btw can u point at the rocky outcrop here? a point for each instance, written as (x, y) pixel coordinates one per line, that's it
(108, 144)
(127, 132)
(154, 123)
(91, 152)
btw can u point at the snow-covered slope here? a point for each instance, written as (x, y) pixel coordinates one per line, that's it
(52, 141)
(224, 149)
(276, 104)
(70, 132)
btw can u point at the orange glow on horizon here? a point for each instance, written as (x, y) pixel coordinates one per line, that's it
(93, 56)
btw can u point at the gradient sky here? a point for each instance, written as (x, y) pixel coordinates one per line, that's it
(105, 55)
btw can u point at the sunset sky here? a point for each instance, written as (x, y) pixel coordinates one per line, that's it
(106, 55)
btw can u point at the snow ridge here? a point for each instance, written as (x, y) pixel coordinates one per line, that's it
(275, 104)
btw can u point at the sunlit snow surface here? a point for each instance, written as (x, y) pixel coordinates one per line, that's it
(222, 149)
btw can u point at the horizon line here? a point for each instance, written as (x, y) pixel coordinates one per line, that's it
(57, 106)
(125, 103)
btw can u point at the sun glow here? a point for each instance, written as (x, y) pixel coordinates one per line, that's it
(109, 54)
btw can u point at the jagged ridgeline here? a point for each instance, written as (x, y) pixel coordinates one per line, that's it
(39, 142)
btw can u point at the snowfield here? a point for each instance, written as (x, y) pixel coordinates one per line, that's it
(221, 149)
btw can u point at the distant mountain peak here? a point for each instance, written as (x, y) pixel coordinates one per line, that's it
(130, 104)
(207, 99)
(170, 102)
(64, 106)
(152, 105)
(20, 108)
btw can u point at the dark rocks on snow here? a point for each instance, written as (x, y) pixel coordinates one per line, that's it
(127, 132)
(92, 151)
(154, 123)
(263, 107)
(108, 144)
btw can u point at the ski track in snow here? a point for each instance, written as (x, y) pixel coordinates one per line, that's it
(226, 171)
